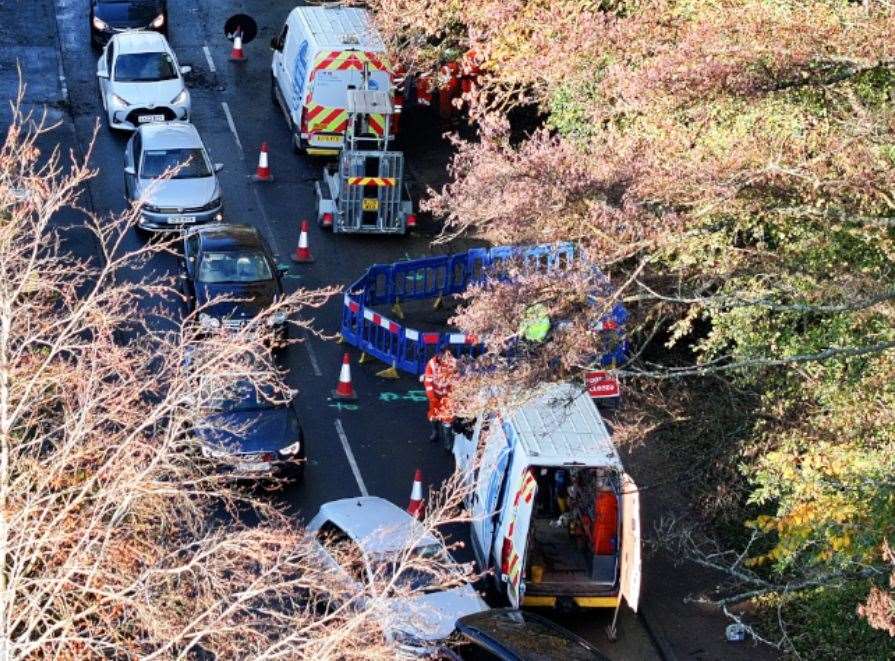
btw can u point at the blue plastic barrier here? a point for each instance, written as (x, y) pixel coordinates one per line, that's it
(408, 349)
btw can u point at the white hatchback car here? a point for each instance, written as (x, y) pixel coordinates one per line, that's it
(380, 530)
(140, 81)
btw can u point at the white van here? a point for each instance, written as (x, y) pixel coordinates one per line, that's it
(555, 517)
(321, 53)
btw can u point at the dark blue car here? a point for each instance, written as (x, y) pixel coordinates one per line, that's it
(232, 262)
(110, 16)
(250, 434)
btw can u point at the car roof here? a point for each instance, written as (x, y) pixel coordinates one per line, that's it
(228, 236)
(561, 424)
(377, 525)
(169, 135)
(140, 41)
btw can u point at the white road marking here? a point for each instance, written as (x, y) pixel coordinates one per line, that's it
(231, 124)
(340, 430)
(208, 59)
(312, 355)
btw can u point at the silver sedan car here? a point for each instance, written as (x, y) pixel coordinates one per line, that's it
(167, 169)
(140, 81)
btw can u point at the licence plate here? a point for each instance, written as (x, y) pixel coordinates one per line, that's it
(173, 220)
(370, 204)
(255, 467)
(327, 138)
(144, 119)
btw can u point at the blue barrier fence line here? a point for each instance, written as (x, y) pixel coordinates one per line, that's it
(409, 349)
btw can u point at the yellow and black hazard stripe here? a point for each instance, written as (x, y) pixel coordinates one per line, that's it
(387, 182)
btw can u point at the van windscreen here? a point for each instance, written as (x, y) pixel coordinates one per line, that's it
(330, 88)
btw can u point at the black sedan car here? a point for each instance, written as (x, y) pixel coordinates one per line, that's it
(110, 16)
(251, 435)
(234, 263)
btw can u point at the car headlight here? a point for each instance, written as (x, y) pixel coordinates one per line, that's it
(158, 21)
(119, 100)
(277, 318)
(100, 24)
(209, 322)
(293, 449)
(180, 98)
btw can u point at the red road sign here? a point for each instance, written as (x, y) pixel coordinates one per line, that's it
(600, 385)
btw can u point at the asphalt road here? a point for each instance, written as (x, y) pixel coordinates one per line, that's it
(371, 447)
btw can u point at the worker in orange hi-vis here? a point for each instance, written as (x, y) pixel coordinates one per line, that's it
(438, 379)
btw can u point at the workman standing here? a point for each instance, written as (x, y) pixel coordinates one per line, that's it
(438, 379)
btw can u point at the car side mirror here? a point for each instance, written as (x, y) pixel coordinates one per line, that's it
(185, 69)
(283, 268)
(130, 171)
(218, 167)
(102, 74)
(275, 44)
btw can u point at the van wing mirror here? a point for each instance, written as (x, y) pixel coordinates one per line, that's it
(185, 69)
(276, 44)
(218, 167)
(130, 171)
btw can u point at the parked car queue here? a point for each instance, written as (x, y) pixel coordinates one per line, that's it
(170, 175)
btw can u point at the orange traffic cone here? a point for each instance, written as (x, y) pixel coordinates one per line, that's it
(417, 506)
(302, 253)
(344, 390)
(263, 171)
(236, 54)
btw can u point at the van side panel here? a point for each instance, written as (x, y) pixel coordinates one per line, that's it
(490, 476)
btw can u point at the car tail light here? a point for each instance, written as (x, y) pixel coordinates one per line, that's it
(411, 220)
(327, 220)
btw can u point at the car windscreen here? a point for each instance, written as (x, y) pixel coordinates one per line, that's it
(243, 396)
(413, 574)
(144, 67)
(330, 87)
(234, 266)
(180, 163)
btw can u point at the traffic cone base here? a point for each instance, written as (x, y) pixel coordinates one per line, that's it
(344, 390)
(302, 254)
(417, 506)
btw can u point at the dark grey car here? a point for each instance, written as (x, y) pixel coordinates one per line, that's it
(166, 167)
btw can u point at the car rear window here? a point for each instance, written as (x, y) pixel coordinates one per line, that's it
(144, 67)
(235, 266)
(191, 164)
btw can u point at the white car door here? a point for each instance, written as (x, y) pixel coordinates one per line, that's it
(104, 70)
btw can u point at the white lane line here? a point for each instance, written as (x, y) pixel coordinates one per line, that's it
(312, 355)
(208, 59)
(231, 124)
(340, 430)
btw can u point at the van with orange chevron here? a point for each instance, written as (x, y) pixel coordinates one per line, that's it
(555, 518)
(320, 53)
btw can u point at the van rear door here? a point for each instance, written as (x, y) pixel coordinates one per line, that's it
(512, 560)
(630, 572)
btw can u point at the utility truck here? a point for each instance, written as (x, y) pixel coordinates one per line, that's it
(554, 515)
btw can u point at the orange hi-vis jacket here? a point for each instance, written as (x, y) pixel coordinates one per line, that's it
(438, 379)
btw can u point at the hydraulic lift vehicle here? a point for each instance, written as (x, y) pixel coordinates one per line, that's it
(364, 192)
